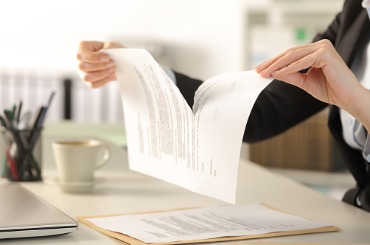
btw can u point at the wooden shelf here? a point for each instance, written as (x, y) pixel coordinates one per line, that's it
(307, 146)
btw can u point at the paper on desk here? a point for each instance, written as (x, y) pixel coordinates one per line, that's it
(242, 222)
(198, 151)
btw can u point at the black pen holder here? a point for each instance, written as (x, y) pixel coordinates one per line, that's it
(20, 154)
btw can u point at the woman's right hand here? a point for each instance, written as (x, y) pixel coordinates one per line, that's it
(96, 68)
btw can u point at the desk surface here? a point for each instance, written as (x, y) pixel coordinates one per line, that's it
(126, 191)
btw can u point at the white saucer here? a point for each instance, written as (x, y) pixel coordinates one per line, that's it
(77, 187)
(74, 187)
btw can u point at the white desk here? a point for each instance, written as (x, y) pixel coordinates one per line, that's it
(125, 191)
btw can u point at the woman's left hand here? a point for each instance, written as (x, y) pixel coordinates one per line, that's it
(328, 78)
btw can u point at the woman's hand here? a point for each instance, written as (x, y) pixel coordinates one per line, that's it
(96, 68)
(328, 78)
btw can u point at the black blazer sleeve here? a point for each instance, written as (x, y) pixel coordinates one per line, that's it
(278, 107)
(187, 87)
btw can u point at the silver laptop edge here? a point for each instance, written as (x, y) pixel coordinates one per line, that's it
(23, 214)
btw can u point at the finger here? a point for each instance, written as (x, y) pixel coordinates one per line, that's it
(291, 74)
(92, 46)
(296, 66)
(285, 58)
(88, 51)
(109, 45)
(97, 75)
(261, 67)
(92, 57)
(91, 67)
(101, 82)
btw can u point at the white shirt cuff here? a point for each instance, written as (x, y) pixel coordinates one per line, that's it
(366, 152)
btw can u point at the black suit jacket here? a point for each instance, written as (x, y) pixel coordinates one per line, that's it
(281, 106)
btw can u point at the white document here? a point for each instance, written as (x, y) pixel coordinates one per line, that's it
(204, 223)
(196, 149)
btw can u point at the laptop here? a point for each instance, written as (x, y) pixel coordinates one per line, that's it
(22, 215)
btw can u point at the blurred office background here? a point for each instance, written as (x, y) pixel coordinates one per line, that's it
(201, 38)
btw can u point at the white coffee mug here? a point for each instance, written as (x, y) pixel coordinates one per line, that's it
(76, 162)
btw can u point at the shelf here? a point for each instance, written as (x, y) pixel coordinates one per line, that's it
(278, 25)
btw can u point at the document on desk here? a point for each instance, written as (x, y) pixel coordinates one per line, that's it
(204, 225)
(198, 148)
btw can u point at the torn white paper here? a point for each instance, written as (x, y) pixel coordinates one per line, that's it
(196, 149)
(204, 223)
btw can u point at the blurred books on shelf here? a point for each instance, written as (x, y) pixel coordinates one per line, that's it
(73, 100)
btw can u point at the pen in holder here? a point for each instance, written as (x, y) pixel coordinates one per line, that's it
(21, 154)
(21, 141)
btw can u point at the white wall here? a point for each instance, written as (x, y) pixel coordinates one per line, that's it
(200, 38)
(44, 34)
